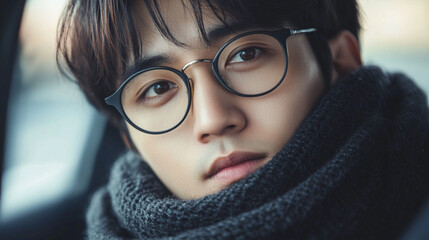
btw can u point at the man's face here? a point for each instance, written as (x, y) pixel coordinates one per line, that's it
(224, 137)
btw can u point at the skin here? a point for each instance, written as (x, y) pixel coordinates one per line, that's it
(220, 122)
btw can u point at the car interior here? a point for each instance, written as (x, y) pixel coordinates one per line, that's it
(63, 215)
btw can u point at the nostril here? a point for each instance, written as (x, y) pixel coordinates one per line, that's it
(225, 130)
(231, 127)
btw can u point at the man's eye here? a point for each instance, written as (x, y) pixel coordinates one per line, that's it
(158, 89)
(246, 54)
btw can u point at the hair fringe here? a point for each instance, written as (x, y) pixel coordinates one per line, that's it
(97, 39)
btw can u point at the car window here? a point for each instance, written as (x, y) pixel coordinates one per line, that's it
(49, 124)
(395, 36)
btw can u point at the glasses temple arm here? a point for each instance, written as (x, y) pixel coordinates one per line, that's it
(308, 30)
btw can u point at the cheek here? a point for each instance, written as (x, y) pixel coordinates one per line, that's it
(275, 121)
(278, 115)
(157, 150)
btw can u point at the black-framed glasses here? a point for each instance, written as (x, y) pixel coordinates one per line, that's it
(156, 100)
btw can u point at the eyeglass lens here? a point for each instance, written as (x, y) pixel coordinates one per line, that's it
(157, 100)
(253, 64)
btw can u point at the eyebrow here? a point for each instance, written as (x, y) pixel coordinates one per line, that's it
(213, 35)
(222, 31)
(145, 62)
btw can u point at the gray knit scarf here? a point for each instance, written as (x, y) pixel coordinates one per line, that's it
(357, 168)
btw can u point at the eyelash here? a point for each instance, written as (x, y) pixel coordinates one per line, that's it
(158, 99)
(152, 88)
(258, 52)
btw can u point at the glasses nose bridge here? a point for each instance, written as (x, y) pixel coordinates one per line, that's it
(195, 62)
(190, 64)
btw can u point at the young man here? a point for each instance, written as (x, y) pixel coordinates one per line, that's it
(247, 120)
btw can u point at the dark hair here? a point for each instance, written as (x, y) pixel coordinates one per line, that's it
(98, 38)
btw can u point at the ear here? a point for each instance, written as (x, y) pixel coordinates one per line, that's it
(346, 56)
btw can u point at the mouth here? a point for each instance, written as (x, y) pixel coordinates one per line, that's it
(235, 166)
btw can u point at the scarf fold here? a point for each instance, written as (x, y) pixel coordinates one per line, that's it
(357, 168)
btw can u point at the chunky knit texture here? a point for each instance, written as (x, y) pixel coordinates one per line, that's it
(357, 168)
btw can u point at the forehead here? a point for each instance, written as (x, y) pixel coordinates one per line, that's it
(177, 18)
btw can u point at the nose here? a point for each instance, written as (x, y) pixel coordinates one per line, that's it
(214, 110)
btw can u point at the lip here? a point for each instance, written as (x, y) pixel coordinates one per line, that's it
(235, 166)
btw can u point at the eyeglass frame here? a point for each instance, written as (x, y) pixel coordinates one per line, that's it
(281, 35)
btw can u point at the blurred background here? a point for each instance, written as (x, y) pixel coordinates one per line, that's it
(48, 119)
(53, 134)
(395, 35)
